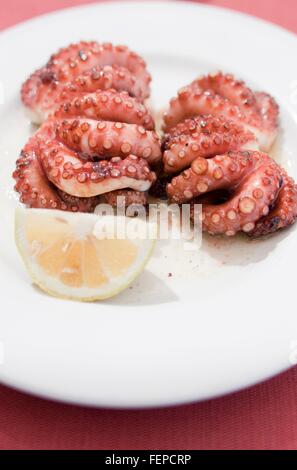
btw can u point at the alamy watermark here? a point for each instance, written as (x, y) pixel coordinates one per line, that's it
(163, 221)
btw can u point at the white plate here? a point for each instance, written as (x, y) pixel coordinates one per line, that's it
(221, 322)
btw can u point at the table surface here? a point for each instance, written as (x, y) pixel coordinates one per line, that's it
(261, 417)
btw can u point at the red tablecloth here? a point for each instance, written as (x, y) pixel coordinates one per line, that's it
(262, 417)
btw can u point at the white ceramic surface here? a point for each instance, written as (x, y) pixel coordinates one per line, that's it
(226, 318)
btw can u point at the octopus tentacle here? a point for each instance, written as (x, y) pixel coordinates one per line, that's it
(104, 78)
(253, 180)
(85, 55)
(103, 139)
(91, 178)
(108, 105)
(37, 191)
(222, 95)
(227, 86)
(42, 91)
(283, 212)
(204, 136)
(221, 172)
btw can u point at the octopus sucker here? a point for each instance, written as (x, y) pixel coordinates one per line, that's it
(203, 137)
(103, 139)
(222, 95)
(107, 105)
(82, 68)
(105, 78)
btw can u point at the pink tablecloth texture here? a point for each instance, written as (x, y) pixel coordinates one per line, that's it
(262, 417)
(283, 12)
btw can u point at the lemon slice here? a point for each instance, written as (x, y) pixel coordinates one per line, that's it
(82, 256)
